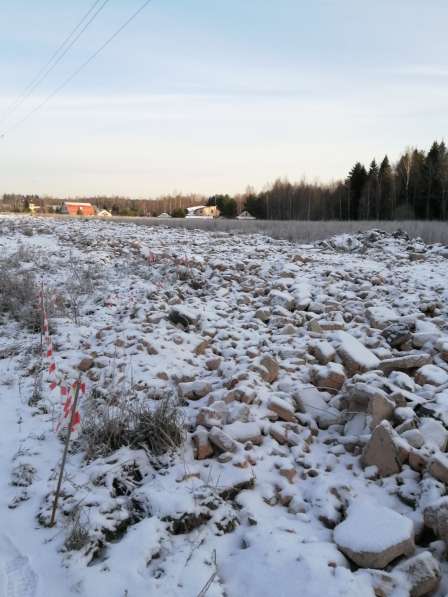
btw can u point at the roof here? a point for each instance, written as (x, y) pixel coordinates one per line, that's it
(245, 215)
(195, 207)
(75, 208)
(78, 203)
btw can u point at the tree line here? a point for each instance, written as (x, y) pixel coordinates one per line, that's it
(415, 187)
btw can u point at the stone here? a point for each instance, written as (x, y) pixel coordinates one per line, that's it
(289, 330)
(405, 362)
(201, 347)
(194, 390)
(244, 432)
(240, 395)
(354, 355)
(331, 325)
(281, 299)
(263, 315)
(221, 440)
(268, 368)
(313, 402)
(183, 316)
(442, 346)
(213, 364)
(431, 374)
(438, 467)
(238, 411)
(283, 409)
(289, 473)
(414, 438)
(417, 256)
(434, 433)
(330, 377)
(421, 573)
(380, 408)
(381, 317)
(360, 395)
(85, 364)
(286, 433)
(383, 583)
(213, 416)
(314, 326)
(435, 517)
(418, 460)
(202, 447)
(385, 450)
(372, 536)
(323, 351)
(397, 334)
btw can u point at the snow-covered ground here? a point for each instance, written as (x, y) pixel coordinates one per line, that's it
(312, 384)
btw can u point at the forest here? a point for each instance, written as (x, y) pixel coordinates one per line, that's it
(415, 187)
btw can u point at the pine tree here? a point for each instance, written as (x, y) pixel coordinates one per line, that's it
(356, 181)
(371, 194)
(385, 205)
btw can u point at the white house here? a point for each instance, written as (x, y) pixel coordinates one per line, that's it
(245, 215)
(205, 212)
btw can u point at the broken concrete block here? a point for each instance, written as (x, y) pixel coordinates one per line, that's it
(420, 573)
(372, 536)
(385, 450)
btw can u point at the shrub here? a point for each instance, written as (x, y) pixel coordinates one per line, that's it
(19, 297)
(78, 536)
(179, 212)
(134, 424)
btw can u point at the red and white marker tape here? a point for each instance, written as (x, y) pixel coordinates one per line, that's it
(67, 392)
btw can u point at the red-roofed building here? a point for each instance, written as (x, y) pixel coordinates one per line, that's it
(77, 208)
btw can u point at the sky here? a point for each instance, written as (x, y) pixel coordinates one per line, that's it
(209, 96)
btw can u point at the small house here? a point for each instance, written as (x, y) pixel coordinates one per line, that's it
(203, 211)
(34, 208)
(245, 215)
(77, 208)
(103, 213)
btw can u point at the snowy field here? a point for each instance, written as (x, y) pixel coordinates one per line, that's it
(261, 418)
(303, 231)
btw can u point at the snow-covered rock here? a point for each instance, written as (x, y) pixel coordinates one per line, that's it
(372, 536)
(355, 356)
(385, 450)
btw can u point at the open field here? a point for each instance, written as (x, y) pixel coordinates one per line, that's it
(299, 231)
(302, 231)
(260, 417)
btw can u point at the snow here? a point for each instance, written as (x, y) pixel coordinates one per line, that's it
(356, 350)
(434, 433)
(258, 520)
(372, 528)
(434, 375)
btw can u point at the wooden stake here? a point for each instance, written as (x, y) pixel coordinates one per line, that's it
(64, 456)
(42, 319)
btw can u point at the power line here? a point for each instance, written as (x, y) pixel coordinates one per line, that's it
(55, 58)
(78, 70)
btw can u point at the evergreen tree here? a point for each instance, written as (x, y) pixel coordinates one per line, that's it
(356, 181)
(385, 205)
(371, 192)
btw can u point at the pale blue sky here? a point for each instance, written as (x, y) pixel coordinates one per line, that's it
(212, 96)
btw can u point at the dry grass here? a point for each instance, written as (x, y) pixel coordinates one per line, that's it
(78, 536)
(19, 296)
(133, 423)
(303, 231)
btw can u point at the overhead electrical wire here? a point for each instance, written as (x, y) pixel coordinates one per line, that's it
(56, 57)
(77, 71)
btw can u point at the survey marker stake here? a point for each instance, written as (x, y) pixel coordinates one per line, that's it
(64, 456)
